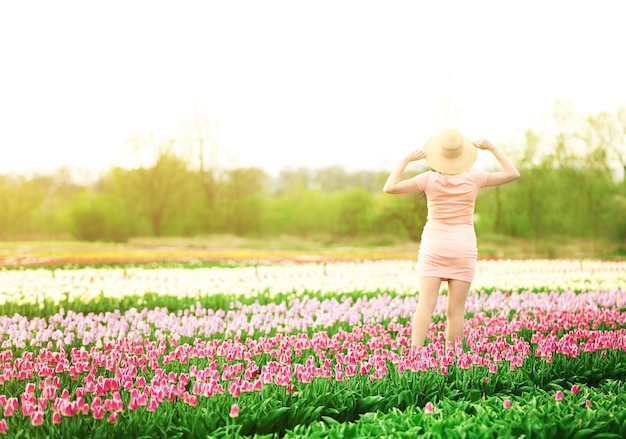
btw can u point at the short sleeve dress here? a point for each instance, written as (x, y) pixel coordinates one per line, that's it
(448, 248)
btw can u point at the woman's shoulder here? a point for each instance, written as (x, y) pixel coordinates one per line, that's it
(422, 179)
(478, 176)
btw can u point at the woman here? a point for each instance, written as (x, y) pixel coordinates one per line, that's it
(448, 250)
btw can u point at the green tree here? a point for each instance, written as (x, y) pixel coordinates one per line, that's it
(401, 215)
(605, 133)
(51, 217)
(331, 178)
(19, 198)
(242, 200)
(292, 180)
(302, 212)
(355, 212)
(109, 212)
(202, 143)
(162, 190)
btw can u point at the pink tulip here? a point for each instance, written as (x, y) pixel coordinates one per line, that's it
(507, 404)
(575, 389)
(8, 410)
(36, 418)
(192, 400)
(234, 388)
(559, 395)
(30, 389)
(98, 411)
(112, 418)
(3, 426)
(67, 408)
(339, 374)
(258, 385)
(140, 382)
(350, 370)
(13, 403)
(152, 405)
(588, 403)
(109, 405)
(56, 417)
(90, 387)
(27, 409)
(96, 402)
(42, 404)
(234, 410)
(429, 408)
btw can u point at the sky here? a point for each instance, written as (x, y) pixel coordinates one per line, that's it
(290, 84)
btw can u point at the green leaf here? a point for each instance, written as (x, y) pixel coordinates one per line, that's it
(474, 395)
(406, 398)
(314, 414)
(607, 436)
(556, 384)
(368, 403)
(274, 415)
(330, 421)
(454, 394)
(585, 433)
(350, 431)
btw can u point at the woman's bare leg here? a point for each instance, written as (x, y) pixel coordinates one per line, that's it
(426, 303)
(455, 309)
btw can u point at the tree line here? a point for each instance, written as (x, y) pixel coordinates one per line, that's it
(572, 185)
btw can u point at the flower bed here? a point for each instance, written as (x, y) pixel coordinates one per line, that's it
(310, 350)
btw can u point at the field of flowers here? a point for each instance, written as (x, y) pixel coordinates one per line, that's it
(317, 349)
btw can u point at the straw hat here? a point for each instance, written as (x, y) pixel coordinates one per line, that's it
(450, 152)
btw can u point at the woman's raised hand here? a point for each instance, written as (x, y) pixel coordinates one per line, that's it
(483, 144)
(418, 154)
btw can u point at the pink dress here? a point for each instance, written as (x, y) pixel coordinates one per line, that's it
(448, 247)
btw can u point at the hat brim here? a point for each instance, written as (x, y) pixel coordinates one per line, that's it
(439, 163)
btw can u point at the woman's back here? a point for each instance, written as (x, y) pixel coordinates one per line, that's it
(451, 198)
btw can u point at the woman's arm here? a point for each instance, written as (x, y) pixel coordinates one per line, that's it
(394, 185)
(509, 171)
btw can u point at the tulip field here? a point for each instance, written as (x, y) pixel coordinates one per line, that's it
(310, 349)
